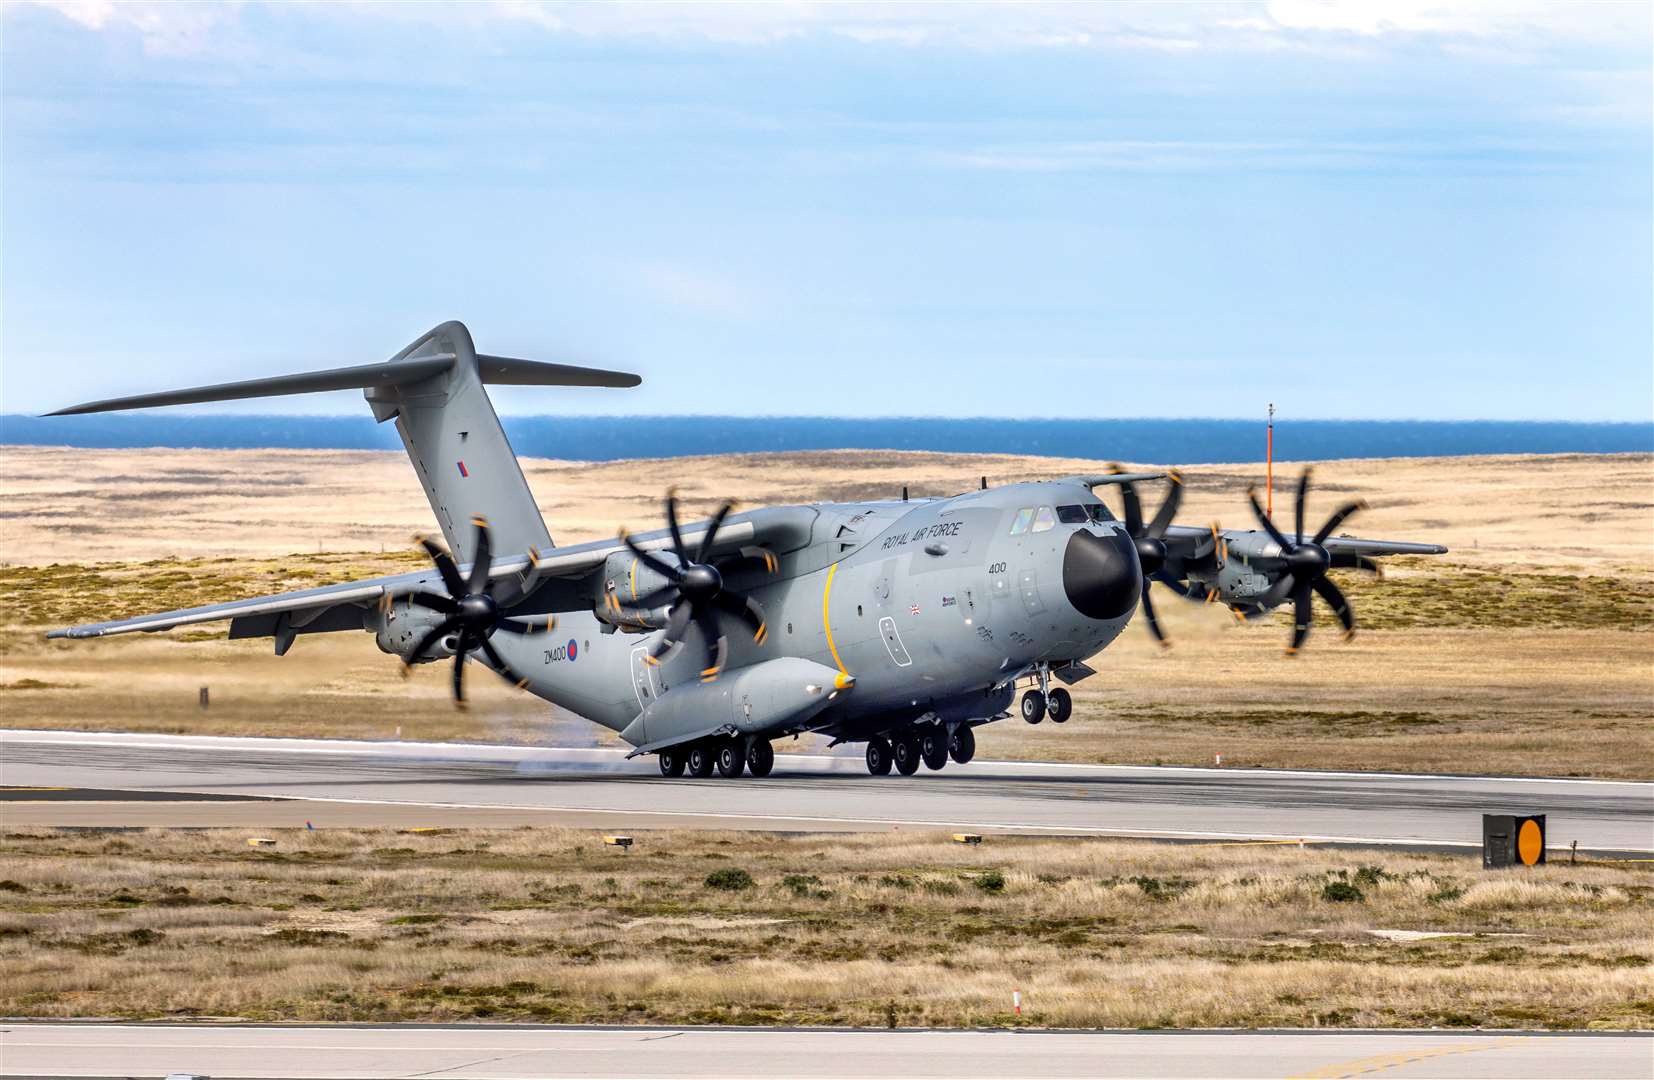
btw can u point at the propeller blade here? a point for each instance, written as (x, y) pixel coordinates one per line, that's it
(1168, 509)
(459, 669)
(504, 669)
(444, 566)
(1357, 562)
(717, 644)
(433, 601)
(1132, 505)
(517, 625)
(484, 557)
(676, 623)
(771, 564)
(1298, 509)
(672, 524)
(436, 634)
(1263, 519)
(746, 609)
(651, 560)
(1338, 518)
(1334, 597)
(1277, 592)
(712, 528)
(1174, 583)
(1154, 623)
(1302, 617)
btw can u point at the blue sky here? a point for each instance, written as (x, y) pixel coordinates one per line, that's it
(1353, 210)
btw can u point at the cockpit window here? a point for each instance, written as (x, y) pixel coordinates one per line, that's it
(1072, 515)
(1044, 520)
(1099, 513)
(1024, 518)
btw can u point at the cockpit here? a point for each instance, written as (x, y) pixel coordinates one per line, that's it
(1038, 519)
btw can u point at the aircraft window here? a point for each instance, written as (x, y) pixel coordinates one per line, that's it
(1072, 515)
(1024, 518)
(1099, 512)
(1045, 520)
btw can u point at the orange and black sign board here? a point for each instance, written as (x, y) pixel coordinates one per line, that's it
(1513, 840)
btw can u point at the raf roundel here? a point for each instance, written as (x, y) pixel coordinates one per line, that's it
(574, 650)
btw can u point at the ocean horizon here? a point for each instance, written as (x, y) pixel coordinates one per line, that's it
(609, 438)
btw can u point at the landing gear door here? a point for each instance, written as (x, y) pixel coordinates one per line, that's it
(643, 677)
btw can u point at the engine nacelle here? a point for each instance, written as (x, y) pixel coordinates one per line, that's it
(403, 625)
(626, 578)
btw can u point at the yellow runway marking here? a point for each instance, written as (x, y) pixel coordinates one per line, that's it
(1382, 1062)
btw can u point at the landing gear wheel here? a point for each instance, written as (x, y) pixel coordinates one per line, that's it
(878, 756)
(1059, 705)
(906, 752)
(732, 759)
(760, 758)
(962, 747)
(1033, 706)
(699, 759)
(671, 763)
(933, 750)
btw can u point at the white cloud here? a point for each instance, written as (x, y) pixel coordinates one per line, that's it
(180, 28)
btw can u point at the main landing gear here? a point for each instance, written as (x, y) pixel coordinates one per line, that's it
(729, 755)
(932, 749)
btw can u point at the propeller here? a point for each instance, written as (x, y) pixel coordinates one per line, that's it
(1307, 563)
(473, 611)
(1149, 539)
(695, 590)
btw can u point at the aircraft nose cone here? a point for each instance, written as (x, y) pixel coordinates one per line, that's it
(1100, 574)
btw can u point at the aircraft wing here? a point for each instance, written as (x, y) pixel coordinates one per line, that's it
(301, 608)
(1188, 536)
(340, 607)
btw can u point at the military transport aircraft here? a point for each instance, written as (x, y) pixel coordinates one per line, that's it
(903, 624)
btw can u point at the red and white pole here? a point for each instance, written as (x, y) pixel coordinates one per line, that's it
(1016, 1001)
(1269, 457)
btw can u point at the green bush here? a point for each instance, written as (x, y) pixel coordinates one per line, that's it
(991, 882)
(1341, 892)
(730, 878)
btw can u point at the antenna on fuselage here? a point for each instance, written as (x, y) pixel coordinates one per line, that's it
(904, 493)
(984, 484)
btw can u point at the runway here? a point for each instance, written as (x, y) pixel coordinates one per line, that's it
(474, 1052)
(360, 783)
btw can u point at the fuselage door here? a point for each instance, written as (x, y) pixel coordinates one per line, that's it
(643, 677)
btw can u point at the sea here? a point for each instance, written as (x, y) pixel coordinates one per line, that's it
(609, 438)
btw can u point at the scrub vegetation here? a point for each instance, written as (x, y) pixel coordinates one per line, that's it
(549, 925)
(1527, 650)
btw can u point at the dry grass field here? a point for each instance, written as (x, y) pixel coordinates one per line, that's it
(548, 925)
(1527, 649)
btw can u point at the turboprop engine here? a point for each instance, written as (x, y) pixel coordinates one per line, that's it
(402, 626)
(773, 696)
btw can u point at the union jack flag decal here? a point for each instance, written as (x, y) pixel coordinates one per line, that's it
(462, 469)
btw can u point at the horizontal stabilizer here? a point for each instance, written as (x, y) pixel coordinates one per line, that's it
(507, 371)
(503, 370)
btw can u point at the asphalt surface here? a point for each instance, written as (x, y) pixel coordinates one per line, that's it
(469, 1053)
(441, 783)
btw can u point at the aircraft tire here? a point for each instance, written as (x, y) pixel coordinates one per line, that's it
(671, 762)
(731, 757)
(700, 760)
(1033, 706)
(905, 751)
(760, 758)
(878, 756)
(933, 750)
(962, 747)
(1059, 705)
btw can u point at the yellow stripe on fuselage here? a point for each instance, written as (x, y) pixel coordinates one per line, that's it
(827, 619)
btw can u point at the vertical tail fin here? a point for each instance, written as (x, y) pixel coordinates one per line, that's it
(456, 443)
